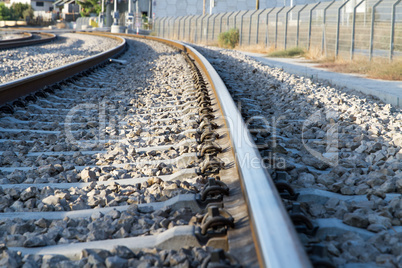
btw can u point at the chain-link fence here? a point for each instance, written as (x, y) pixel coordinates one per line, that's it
(372, 28)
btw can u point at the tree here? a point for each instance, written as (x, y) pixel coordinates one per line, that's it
(28, 13)
(18, 10)
(89, 6)
(5, 13)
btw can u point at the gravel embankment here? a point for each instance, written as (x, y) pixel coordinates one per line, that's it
(68, 48)
(330, 139)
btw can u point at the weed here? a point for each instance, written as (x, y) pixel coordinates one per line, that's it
(288, 53)
(229, 39)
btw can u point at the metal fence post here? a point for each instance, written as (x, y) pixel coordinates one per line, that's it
(249, 26)
(324, 19)
(157, 26)
(171, 27)
(286, 25)
(337, 28)
(202, 27)
(213, 26)
(276, 26)
(184, 27)
(168, 28)
(196, 29)
(372, 29)
(309, 25)
(220, 23)
(189, 27)
(178, 28)
(266, 27)
(160, 27)
(227, 21)
(391, 45)
(163, 29)
(352, 45)
(258, 25)
(235, 19)
(298, 24)
(241, 28)
(174, 22)
(206, 34)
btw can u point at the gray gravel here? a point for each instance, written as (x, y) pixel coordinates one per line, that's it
(120, 256)
(112, 225)
(327, 138)
(68, 48)
(47, 135)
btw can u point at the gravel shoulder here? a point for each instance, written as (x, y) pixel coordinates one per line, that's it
(387, 91)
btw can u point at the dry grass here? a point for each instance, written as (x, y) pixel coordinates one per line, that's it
(377, 69)
(260, 48)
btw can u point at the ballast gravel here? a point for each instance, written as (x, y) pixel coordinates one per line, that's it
(145, 117)
(121, 256)
(68, 48)
(330, 139)
(115, 224)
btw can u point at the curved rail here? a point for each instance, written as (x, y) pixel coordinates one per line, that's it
(27, 36)
(276, 240)
(29, 41)
(20, 87)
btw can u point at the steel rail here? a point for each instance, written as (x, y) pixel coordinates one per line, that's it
(27, 42)
(276, 240)
(26, 37)
(12, 90)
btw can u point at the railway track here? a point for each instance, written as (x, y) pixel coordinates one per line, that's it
(28, 39)
(139, 161)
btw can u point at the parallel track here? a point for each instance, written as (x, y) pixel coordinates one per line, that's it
(29, 40)
(211, 147)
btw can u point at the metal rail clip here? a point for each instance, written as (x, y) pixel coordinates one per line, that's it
(220, 259)
(209, 148)
(214, 190)
(216, 221)
(211, 164)
(301, 222)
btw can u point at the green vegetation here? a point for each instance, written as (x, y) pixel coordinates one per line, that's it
(16, 12)
(229, 39)
(5, 13)
(21, 11)
(90, 6)
(288, 53)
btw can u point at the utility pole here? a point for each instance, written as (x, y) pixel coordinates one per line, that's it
(203, 7)
(257, 4)
(150, 10)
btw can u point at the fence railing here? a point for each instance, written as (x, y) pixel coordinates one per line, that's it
(371, 28)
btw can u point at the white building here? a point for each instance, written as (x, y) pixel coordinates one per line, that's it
(42, 8)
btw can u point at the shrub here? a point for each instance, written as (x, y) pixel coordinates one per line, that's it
(296, 51)
(229, 39)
